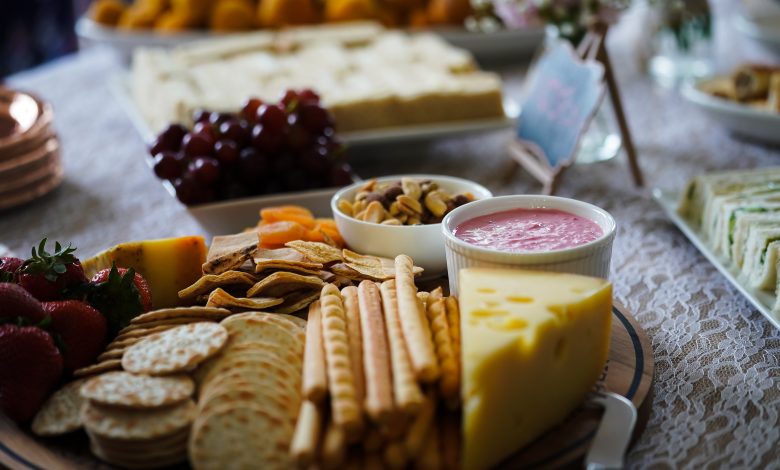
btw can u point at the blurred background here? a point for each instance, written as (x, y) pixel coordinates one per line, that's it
(36, 31)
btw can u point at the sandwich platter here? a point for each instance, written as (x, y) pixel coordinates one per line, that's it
(761, 300)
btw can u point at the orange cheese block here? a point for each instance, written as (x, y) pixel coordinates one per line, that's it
(169, 264)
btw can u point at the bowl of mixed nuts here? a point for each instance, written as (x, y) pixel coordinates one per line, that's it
(395, 215)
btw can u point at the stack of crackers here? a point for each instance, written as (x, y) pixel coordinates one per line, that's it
(145, 325)
(379, 360)
(240, 275)
(250, 394)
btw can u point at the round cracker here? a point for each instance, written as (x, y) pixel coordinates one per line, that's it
(197, 312)
(175, 350)
(165, 322)
(99, 368)
(241, 436)
(153, 423)
(141, 332)
(256, 326)
(272, 400)
(60, 414)
(142, 462)
(248, 364)
(113, 354)
(137, 391)
(287, 356)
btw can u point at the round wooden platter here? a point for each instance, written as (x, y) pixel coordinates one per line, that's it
(629, 372)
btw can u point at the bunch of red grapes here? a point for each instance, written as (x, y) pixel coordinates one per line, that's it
(265, 148)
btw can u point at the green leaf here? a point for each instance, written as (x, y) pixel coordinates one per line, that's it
(117, 299)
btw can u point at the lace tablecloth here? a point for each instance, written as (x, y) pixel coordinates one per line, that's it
(717, 377)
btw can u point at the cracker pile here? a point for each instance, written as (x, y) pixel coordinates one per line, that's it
(145, 325)
(136, 421)
(240, 275)
(250, 394)
(380, 369)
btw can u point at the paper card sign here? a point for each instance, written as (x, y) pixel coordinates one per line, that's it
(563, 95)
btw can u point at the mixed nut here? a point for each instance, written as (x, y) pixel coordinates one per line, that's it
(405, 202)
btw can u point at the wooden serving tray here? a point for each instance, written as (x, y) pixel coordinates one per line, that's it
(629, 372)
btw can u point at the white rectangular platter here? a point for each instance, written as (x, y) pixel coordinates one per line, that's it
(120, 87)
(761, 300)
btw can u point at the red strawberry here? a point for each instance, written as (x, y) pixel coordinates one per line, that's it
(17, 302)
(144, 292)
(46, 275)
(8, 267)
(80, 328)
(121, 295)
(31, 365)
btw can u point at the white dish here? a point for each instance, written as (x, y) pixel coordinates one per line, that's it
(233, 216)
(765, 29)
(508, 45)
(763, 301)
(120, 86)
(423, 243)
(591, 259)
(740, 119)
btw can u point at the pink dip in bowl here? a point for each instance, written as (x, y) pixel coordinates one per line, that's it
(524, 230)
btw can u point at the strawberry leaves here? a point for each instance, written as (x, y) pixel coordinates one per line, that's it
(51, 265)
(117, 299)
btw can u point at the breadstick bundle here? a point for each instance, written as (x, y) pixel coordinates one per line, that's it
(380, 362)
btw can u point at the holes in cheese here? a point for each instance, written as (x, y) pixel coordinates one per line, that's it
(520, 299)
(488, 313)
(510, 324)
(486, 290)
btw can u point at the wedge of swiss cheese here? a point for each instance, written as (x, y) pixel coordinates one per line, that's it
(534, 345)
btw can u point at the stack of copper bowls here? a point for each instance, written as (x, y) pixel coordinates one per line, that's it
(30, 164)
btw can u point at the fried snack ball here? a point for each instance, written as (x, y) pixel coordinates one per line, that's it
(350, 10)
(196, 11)
(107, 12)
(137, 17)
(448, 11)
(172, 22)
(232, 15)
(277, 13)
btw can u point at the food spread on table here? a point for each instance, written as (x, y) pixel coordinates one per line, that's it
(242, 15)
(366, 76)
(524, 230)
(755, 85)
(408, 201)
(282, 346)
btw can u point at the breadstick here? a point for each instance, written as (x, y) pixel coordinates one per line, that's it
(315, 380)
(449, 383)
(406, 390)
(429, 457)
(303, 448)
(394, 456)
(435, 295)
(334, 446)
(453, 320)
(423, 297)
(355, 338)
(374, 440)
(414, 325)
(376, 357)
(372, 461)
(420, 428)
(450, 440)
(345, 408)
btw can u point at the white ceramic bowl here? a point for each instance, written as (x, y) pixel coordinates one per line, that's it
(591, 259)
(424, 243)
